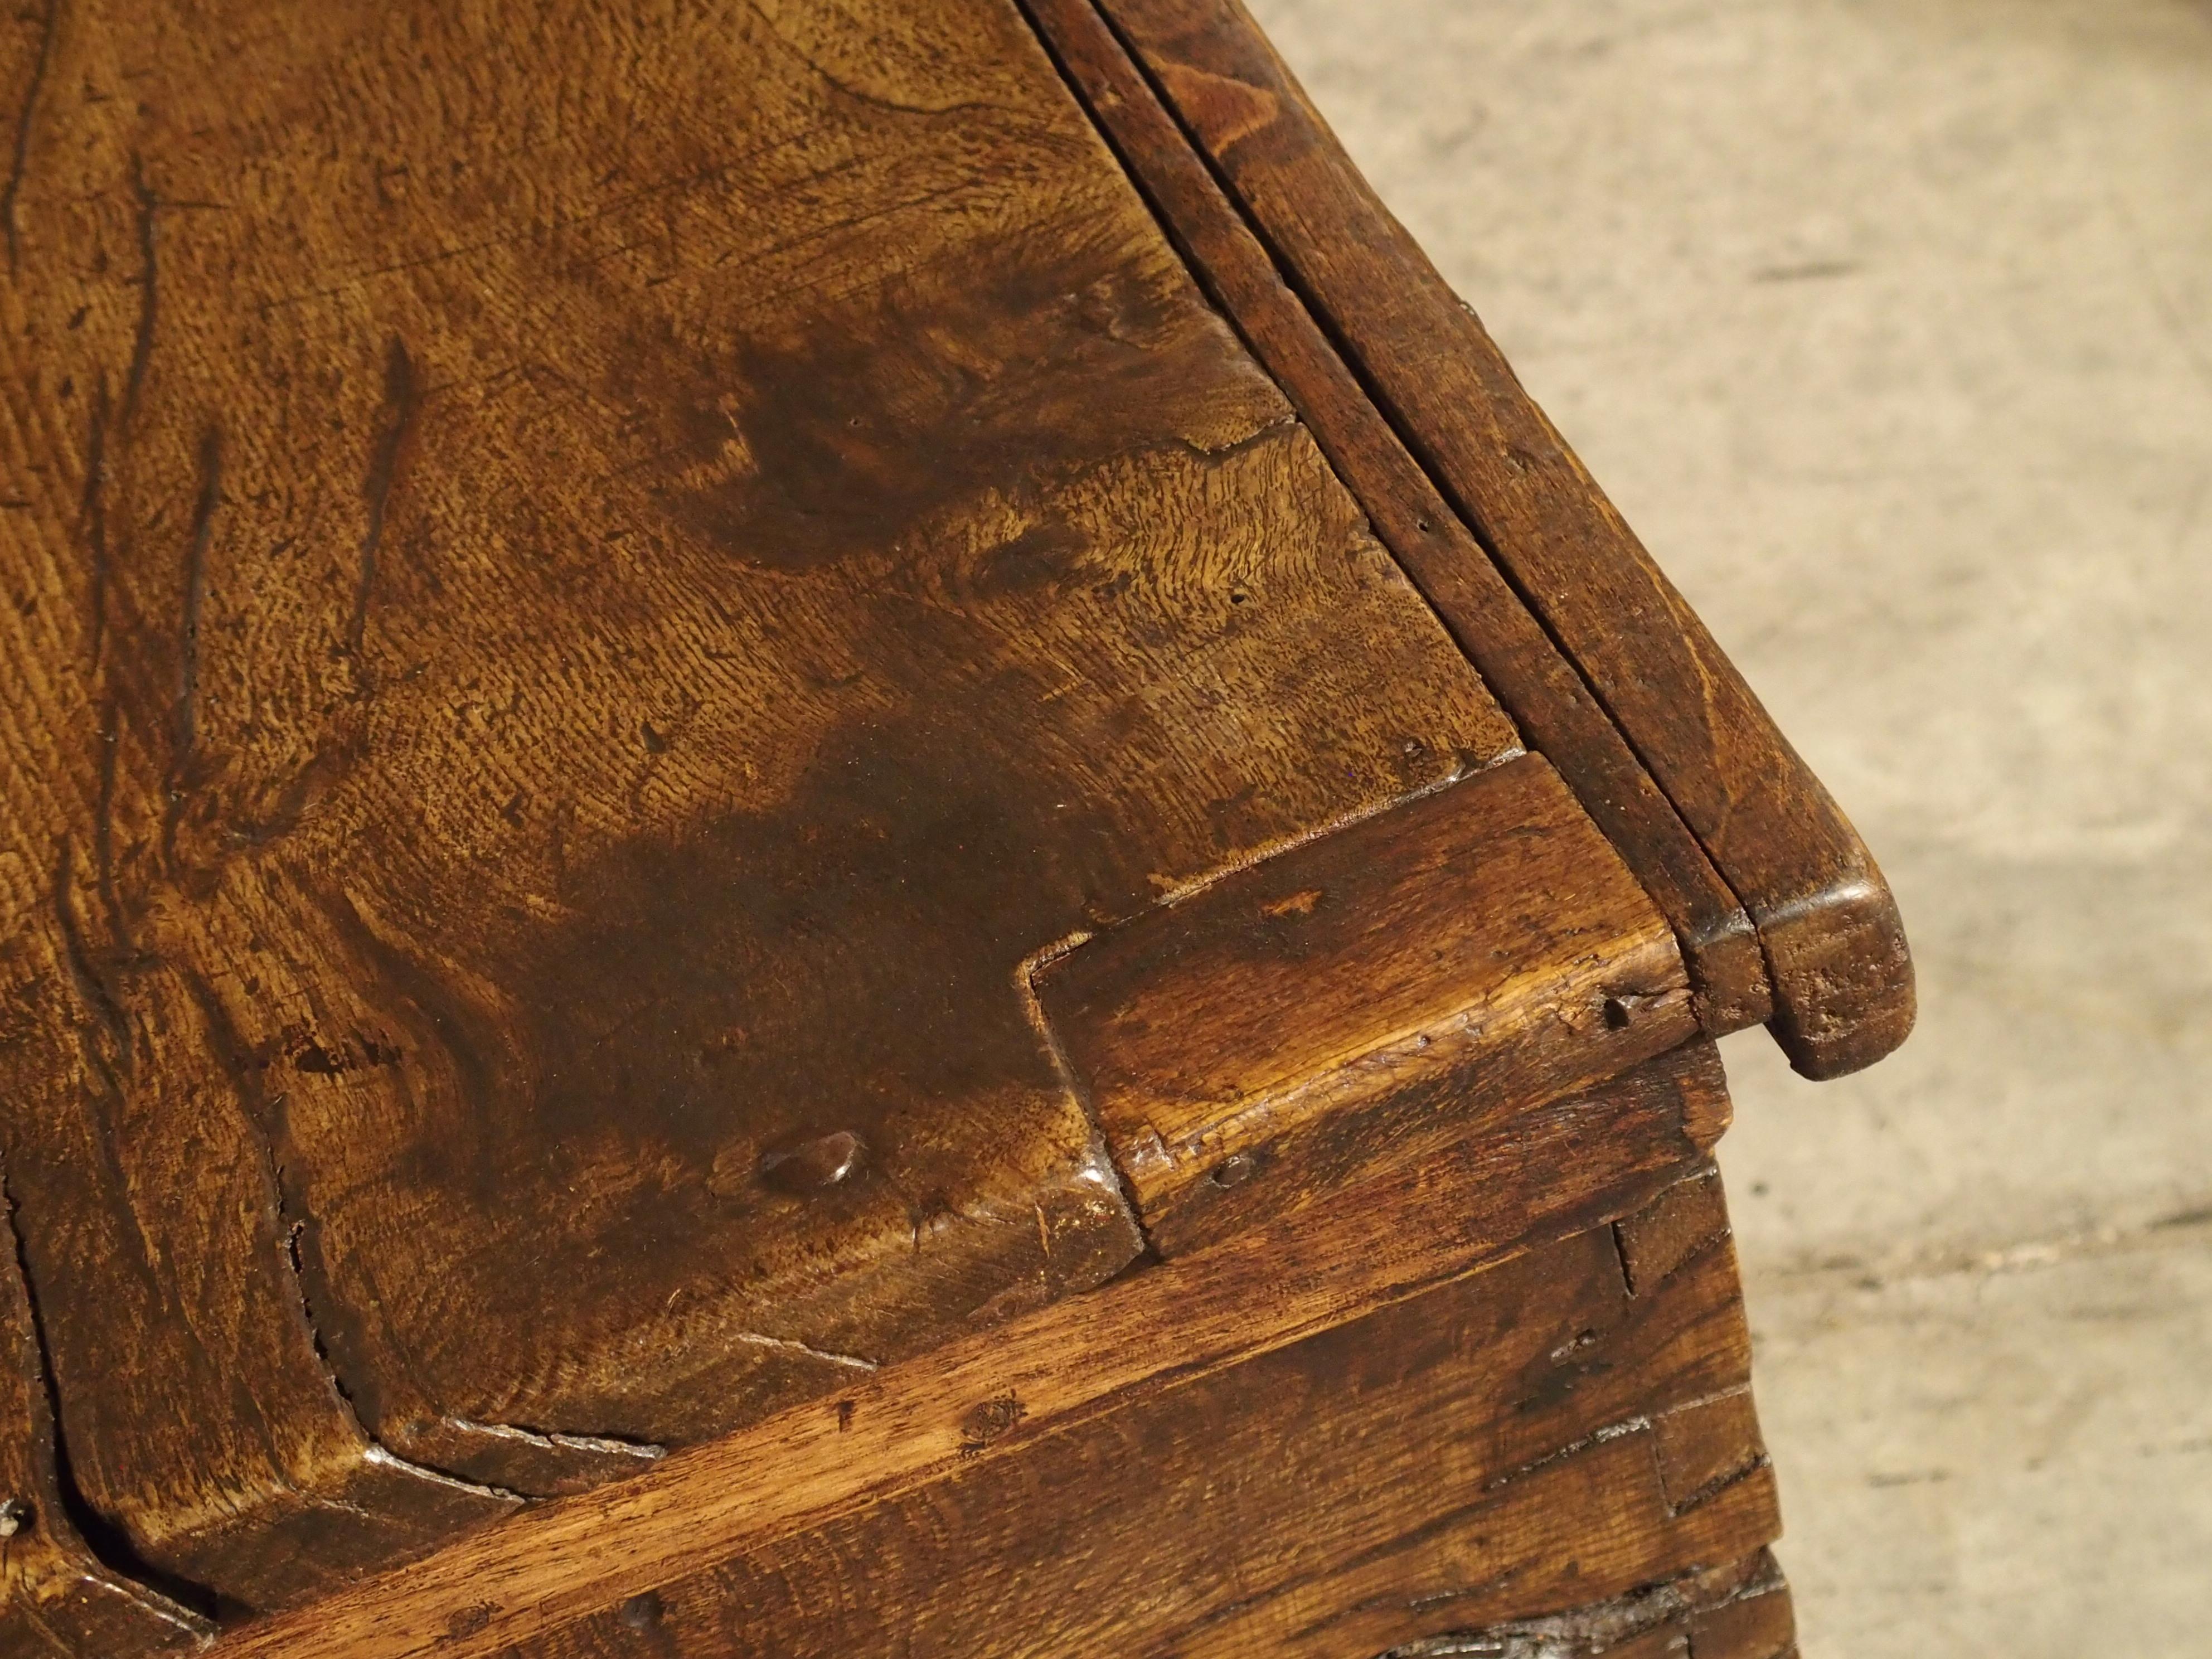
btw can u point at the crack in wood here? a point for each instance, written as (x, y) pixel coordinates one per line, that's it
(19, 167)
(1587, 1633)
(264, 1121)
(556, 1440)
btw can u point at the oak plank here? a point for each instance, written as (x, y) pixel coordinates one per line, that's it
(1482, 1451)
(1841, 972)
(1398, 1232)
(1245, 1046)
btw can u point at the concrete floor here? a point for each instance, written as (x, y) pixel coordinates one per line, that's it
(1889, 324)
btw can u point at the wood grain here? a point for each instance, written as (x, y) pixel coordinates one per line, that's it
(58, 1600)
(1455, 1457)
(1246, 1046)
(1553, 1173)
(1841, 974)
(584, 591)
(1738, 1611)
(1547, 696)
(645, 649)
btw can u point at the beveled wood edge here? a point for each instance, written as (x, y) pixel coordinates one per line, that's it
(1404, 1230)
(1545, 694)
(1826, 922)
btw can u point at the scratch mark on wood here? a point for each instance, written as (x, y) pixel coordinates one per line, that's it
(103, 824)
(852, 1362)
(141, 344)
(185, 719)
(20, 162)
(554, 1440)
(92, 990)
(403, 401)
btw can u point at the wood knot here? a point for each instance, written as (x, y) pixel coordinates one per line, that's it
(15, 1516)
(467, 1621)
(991, 1421)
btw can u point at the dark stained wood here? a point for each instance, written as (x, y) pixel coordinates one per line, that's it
(1547, 695)
(1006, 1397)
(583, 595)
(1246, 1047)
(57, 1599)
(1842, 977)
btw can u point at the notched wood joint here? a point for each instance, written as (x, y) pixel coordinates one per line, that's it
(1258, 1041)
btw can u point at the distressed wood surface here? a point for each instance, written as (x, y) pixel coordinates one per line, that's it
(1481, 1453)
(989, 1406)
(1245, 1047)
(1738, 1611)
(58, 1600)
(1547, 695)
(583, 593)
(693, 708)
(1841, 974)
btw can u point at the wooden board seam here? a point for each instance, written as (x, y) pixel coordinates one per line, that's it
(1721, 1014)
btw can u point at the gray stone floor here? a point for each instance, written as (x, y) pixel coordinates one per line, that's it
(1889, 324)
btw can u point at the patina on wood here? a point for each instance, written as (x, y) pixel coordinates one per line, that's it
(696, 707)
(1371, 992)
(1841, 973)
(1497, 1293)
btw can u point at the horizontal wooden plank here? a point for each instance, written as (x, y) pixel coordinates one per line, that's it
(58, 1600)
(1246, 1047)
(1554, 1172)
(586, 590)
(1331, 1499)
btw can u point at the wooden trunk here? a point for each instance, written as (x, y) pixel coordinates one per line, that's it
(827, 830)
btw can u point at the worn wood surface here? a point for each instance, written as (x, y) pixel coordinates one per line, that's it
(1547, 696)
(684, 690)
(58, 1600)
(1738, 1611)
(1841, 975)
(1000, 1396)
(1246, 1048)
(1482, 1452)
(582, 596)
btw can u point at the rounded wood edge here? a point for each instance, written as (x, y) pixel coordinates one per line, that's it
(1844, 994)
